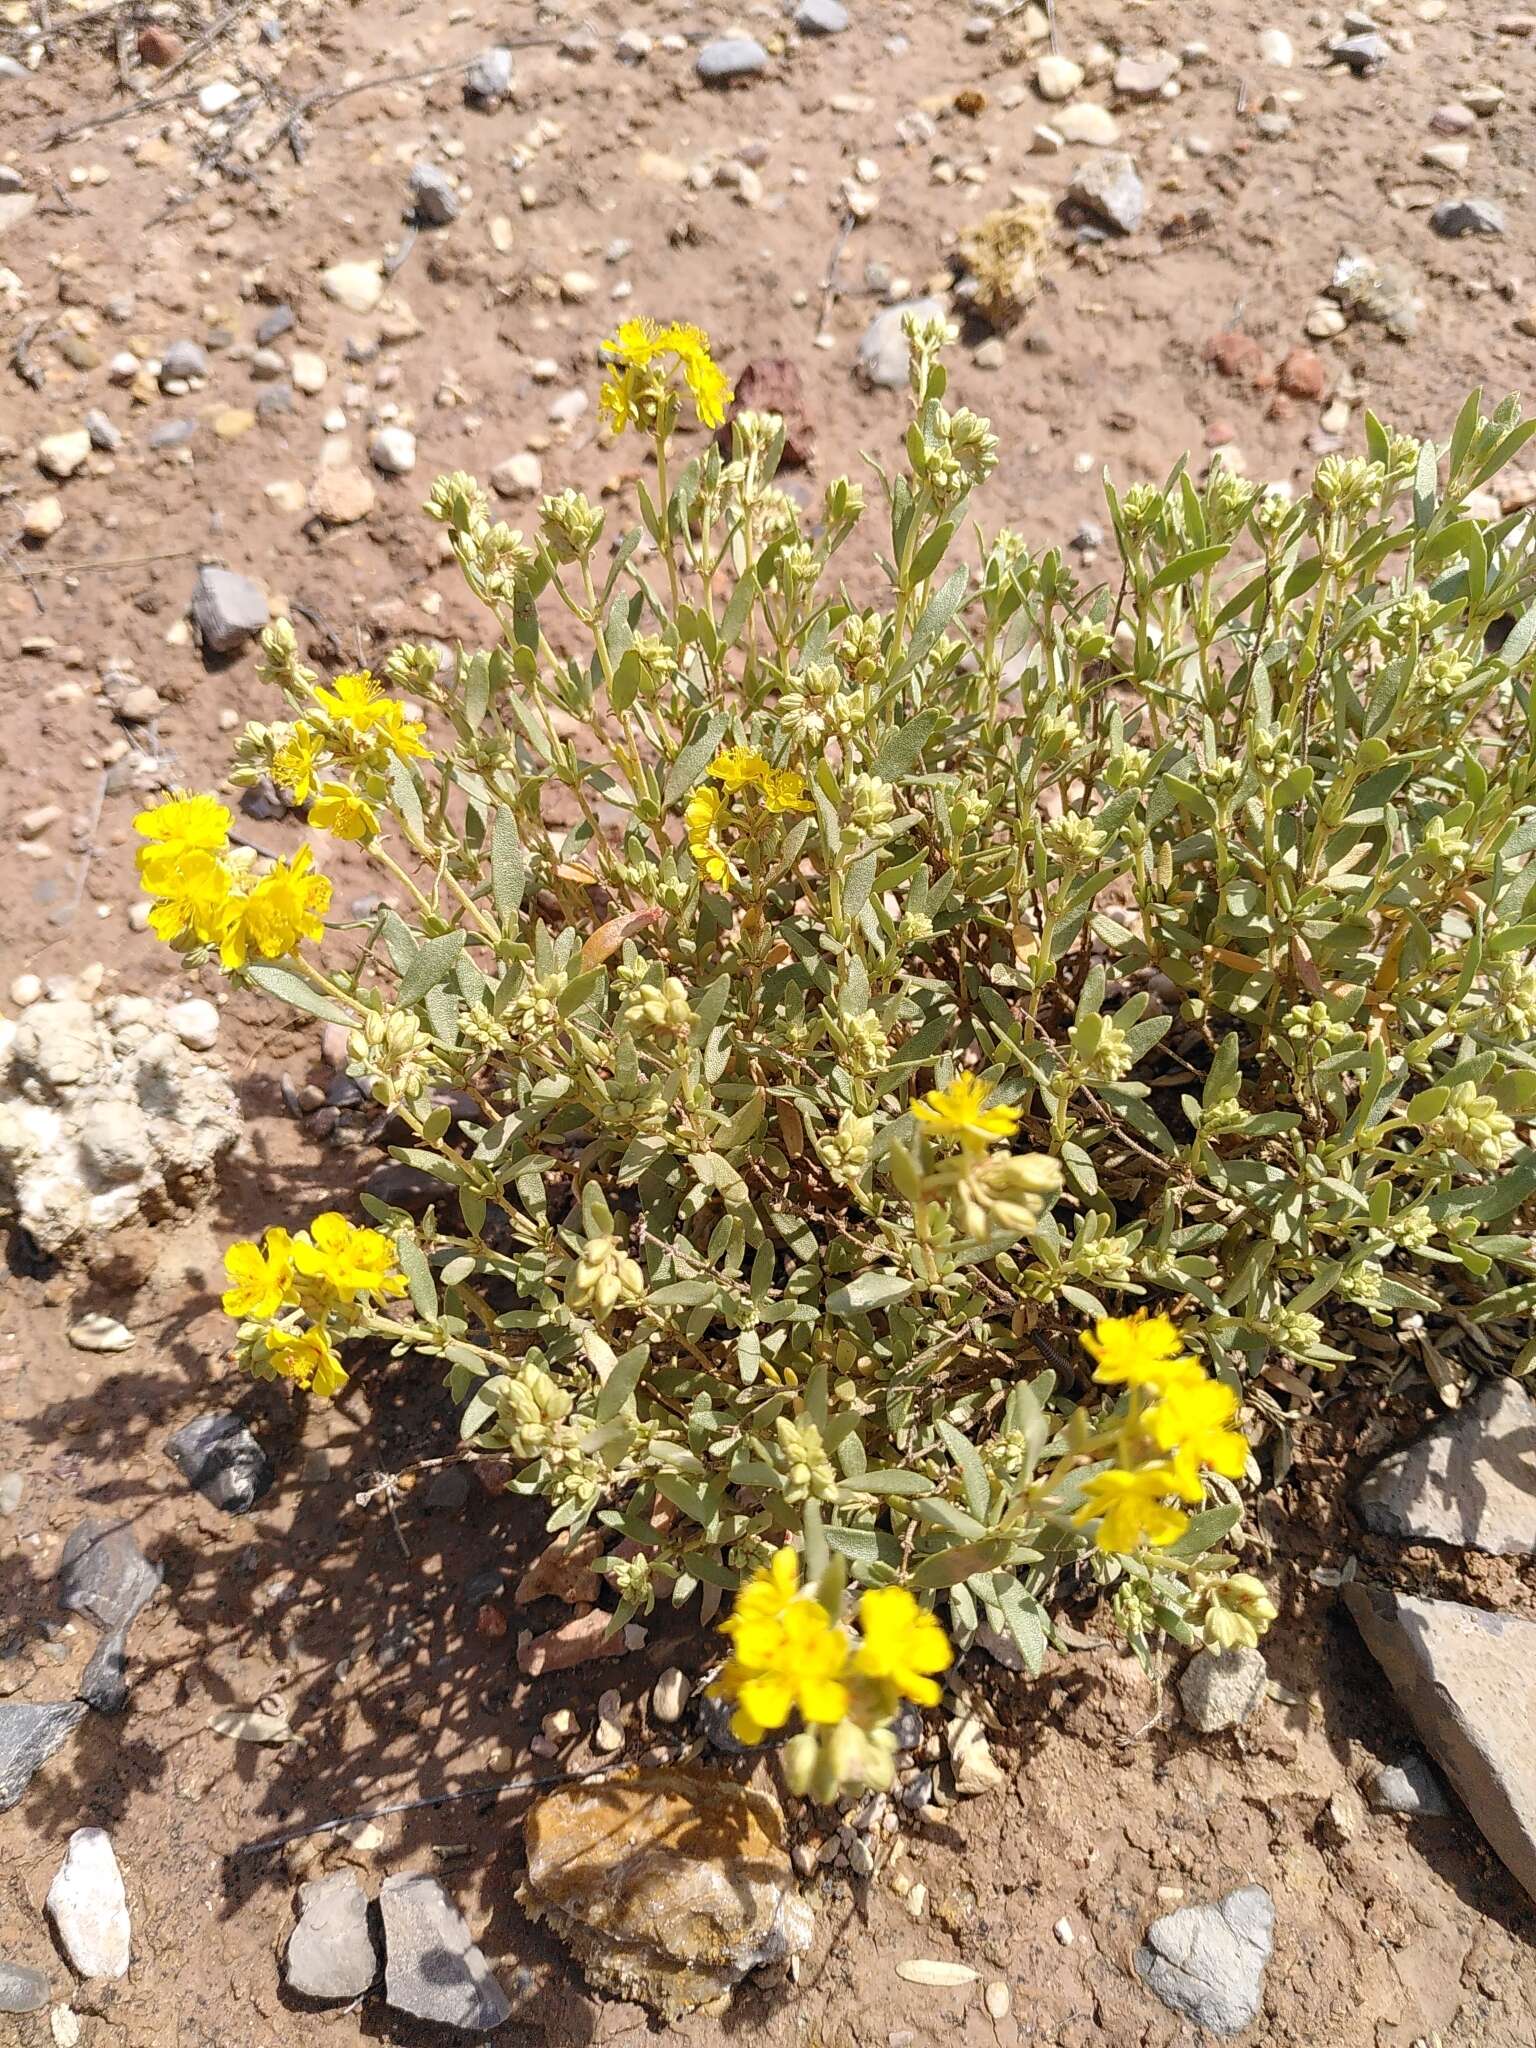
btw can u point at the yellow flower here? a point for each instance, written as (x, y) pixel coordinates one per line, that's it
(307, 1357)
(712, 392)
(639, 346)
(1138, 1351)
(787, 1655)
(194, 890)
(737, 768)
(262, 1279)
(700, 820)
(343, 813)
(618, 400)
(276, 912)
(903, 1644)
(352, 699)
(960, 1111)
(784, 790)
(1190, 1419)
(404, 737)
(1131, 1508)
(295, 764)
(181, 825)
(1237, 1612)
(342, 1261)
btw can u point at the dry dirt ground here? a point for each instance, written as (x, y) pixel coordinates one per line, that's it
(398, 1684)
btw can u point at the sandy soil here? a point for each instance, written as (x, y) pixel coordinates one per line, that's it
(401, 1684)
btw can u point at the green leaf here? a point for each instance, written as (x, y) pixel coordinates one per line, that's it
(433, 963)
(903, 749)
(1205, 1529)
(973, 1474)
(869, 1291)
(509, 873)
(622, 1380)
(417, 1269)
(1185, 568)
(290, 987)
(688, 769)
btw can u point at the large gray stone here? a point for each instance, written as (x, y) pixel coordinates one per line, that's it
(1467, 1679)
(432, 1969)
(227, 609)
(821, 17)
(1207, 1962)
(21, 1989)
(1220, 1688)
(221, 1458)
(28, 1737)
(104, 1575)
(1471, 1481)
(1108, 190)
(1454, 218)
(89, 1907)
(330, 1952)
(883, 351)
(731, 57)
(489, 77)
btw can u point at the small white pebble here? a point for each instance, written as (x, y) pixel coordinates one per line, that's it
(25, 989)
(1063, 1932)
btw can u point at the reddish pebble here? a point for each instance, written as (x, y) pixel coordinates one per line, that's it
(1219, 433)
(1304, 374)
(1238, 355)
(158, 46)
(491, 1623)
(576, 1641)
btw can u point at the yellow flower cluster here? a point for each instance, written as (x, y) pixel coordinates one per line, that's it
(961, 1111)
(205, 894)
(644, 353)
(750, 789)
(790, 1656)
(354, 727)
(287, 1289)
(1176, 1427)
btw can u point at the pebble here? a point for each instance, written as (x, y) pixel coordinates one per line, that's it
(434, 196)
(218, 1455)
(488, 78)
(172, 433)
(998, 2000)
(182, 362)
(1456, 217)
(217, 97)
(1484, 99)
(1108, 189)
(1448, 156)
(1452, 119)
(577, 286)
(393, 450)
(123, 367)
(1086, 122)
(432, 1969)
(671, 1694)
(357, 286)
(1057, 77)
(29, 1735)
(227, 609)
(343, 496)
(568, 408)
(42, 518)
(731, 57)
(1364, 53)
(266, 366)
(1276, 47)
(1220, 1688)
(60, 455)
(633, 46)
(307, 371)
(1145, 78)
(1303, 374)
(821, 17)
(991, 355)
(803, 1859)
(608, 1735)
(1409, 1787)
(89, 1907)
(330, 1953)
(274, 326)
(21, 1989)
(1325, 320)
(1208, 1961)
(520, 476)
(1063, 1931)
(104, 435)
(97, 1332)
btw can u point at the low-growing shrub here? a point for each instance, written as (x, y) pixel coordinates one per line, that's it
(814, 1013)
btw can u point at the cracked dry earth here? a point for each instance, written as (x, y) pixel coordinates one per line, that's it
(608, 179)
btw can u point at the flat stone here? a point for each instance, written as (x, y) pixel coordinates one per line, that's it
(821, 17)
(1220, 1688)
(1057, 77)
(520, 476)
(104, 1681)
(21, 1989)
(1454, 218)
(730, 57)
(60, 455)
(15, 207)
(330, 1952)
(227, 610)
(1470, 1482)
(1467, 1680)
(489, 77)
(218, 1455)
(104, 1575)
(89, 1907)
(1109, 191)
(1276, 47)
(172, 433)
(274, 326)
(432, 1969)
(1207, 1962)
(433, 195)
(182, 361)
(355, 285)
(393, 451)
(343, 496)
(668, 1886)
(1363, 53)
(883, 353)
(29, 1735)
(1085, 121)
(1143, 78)
(1409, 1787)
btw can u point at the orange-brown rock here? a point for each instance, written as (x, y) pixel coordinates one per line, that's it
(667, 1886)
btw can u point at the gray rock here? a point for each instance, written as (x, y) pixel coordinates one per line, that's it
(104, 435)
(1456, 217)
(28, 1737)
(12, 1488)
(104, 1575)
(1220, 1688)
(1409, 1786)
(227, 609)
(1471, 1481)
(89, 1907)
(731, 57)
(434, 195)
(1363, 53)
(330, 1952)
(220, 1457)
(172, 433)
(104, 1681)
(1207, 1962)
(182, 361)
(21, 1989)
(276, 400)
(883, 351)
(821, 17)
(1143, 78)
(432, 1969)
(276, 324)
(1467, 1680)
(489, 77)
(1108, 190)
